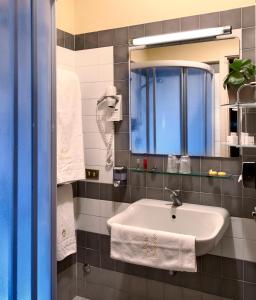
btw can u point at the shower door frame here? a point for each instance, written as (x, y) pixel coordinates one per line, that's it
(53, 146)
(28, 149)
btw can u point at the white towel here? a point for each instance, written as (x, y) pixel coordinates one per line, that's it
(70, 149)
(158, 249)
(66, 236)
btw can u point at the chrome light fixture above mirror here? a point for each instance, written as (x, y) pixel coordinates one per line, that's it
(182, 36)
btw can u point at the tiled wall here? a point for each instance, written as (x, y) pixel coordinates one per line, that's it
(95, 71)
(216, 277)
(231, 277)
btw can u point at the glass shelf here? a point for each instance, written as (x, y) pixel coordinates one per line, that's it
(239, 146)
(241, 105)
(198, 174)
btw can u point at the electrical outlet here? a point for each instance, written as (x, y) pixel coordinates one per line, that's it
(92, 174)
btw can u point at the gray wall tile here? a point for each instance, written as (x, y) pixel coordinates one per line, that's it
(153, 28)
(189, 23)
(232, 268)
(137, 193)
(81, 189)
(122, 141)
(209, 20)
(155, 193)
(136, 31)
(155, 290)
(190, 183)
(231, 165)
(121, 54)
(92, 190)
(211, 285)
(231, 186)
(249, 291)
(233, 205)
(191, 197)
(122, 88)
(122, 126)
(232, 289)
(92, 257)
(210, 199)
(106, 38)
(69, 41)
(174, 292)
(248, 207)
(172, 181)
(210, 163)
(121, 36)
(211, 185)
(250, 271)
(155, 180)
(248, 16)
(106, 191)
(231, 17)
(79, 42)
(248, 40)
(91, 40)
(138, 179)
(60, 38)
(122, 194)
(170, 26)
(92, 241)
(211, 265)
(122, 158)
(121, 71)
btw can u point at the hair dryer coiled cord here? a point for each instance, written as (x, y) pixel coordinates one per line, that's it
(108, 142)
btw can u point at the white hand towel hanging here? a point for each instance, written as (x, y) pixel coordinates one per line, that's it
(153, 248)
(66, 237)
(70, 148)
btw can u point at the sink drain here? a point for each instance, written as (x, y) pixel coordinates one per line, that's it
(173, 216)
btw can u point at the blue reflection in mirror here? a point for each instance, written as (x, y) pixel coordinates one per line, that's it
(172, 110)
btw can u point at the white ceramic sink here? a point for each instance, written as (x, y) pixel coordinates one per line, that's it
(207, 223)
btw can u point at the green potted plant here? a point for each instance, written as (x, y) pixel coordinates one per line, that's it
(241, 71)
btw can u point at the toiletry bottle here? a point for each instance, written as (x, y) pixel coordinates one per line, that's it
(172, 164)
(185, 165)
(137, 163)
(145, 164)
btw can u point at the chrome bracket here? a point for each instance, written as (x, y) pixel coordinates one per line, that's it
(254, 213)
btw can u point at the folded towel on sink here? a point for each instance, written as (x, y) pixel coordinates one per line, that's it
(153, 248)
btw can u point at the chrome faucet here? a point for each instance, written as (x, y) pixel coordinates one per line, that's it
(174, 196)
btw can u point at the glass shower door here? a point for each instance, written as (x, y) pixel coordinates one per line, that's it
(27, 161)
(168, 110)
(200, 110)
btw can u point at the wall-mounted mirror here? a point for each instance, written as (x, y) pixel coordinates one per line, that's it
(176, 93)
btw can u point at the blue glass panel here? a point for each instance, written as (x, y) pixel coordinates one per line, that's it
(151, 112)
(44, 172)
(7, 280)
(17, 277)
(138, 111)
(24, 199)
(168, 129)
(196, 111)
(210, 119)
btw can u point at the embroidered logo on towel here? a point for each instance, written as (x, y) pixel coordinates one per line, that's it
(150, 246)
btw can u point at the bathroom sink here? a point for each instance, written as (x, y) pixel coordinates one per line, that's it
(207, 223)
